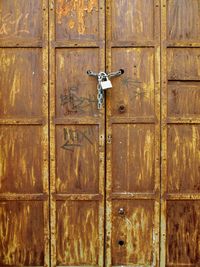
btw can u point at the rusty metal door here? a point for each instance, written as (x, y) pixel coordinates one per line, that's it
(117, 186)
(133, 133)
(24, 193)
(80, 41)
(77, 131)
(180, 221)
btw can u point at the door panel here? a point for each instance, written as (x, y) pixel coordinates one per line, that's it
(180, 133)
(135, 90)
(21, 21)
(78, 20)
(75, 96)
(133, 230)
(77, 44)
(133, 134)
(78, 146)
(124, 12)
(183, 64)
(184, 232)
(22, 233)
(183, 98)
(183, 20)
(183, 158)
(21, 160)
(21, 101)
(126, 152)
(24, 205)
(77, 232)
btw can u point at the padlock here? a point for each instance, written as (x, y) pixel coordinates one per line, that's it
(105, 83)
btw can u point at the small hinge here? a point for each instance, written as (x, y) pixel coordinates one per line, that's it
(109, 139)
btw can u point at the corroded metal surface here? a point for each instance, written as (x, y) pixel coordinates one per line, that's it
(180, 196)
(77, 133)
(24, 205)
(133, 128)
(124, 198)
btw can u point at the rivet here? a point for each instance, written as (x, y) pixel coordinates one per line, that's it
(121, 211)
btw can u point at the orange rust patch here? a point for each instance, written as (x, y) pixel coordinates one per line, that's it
(75, 9)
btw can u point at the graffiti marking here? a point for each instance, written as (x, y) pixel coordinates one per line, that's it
(73, 103)
(76, 138)
(20, 24)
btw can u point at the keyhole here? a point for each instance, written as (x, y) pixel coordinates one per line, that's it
(121, 242)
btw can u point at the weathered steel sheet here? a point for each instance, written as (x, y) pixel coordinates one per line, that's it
(24, 205)
(77, 44)
(97, 219)
(180, 78)
(133, 133)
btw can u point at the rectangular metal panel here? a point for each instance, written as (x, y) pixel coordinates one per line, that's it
(133, 230)
(21, 22)
(133, 133)
(183, 98)
(77, 150)
(133, 162)
(135, 89)
(183, 232)
(21, 169)
(77, 233)
(24, 205)
(22, 233)
(77, 44)
(180, 133)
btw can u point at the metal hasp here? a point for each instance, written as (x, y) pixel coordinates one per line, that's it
(103, 83)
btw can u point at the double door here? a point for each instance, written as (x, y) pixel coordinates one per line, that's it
(116, 186)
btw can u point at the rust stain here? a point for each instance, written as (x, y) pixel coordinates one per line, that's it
(129, 21)
(183, 19)
(180, 140)
(71, 24)
(80, 156)
(21, 233)
(134, 161)
(183, 159)
(20, 159)
(77, 232)
(183, 235)
(24, 224)
(21, 95)
(74, 95)
(80, 8)
(183, 64)
(131, 232)
(136, 90)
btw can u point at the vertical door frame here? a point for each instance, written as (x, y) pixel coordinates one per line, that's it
(45, 140)
(163, 134)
